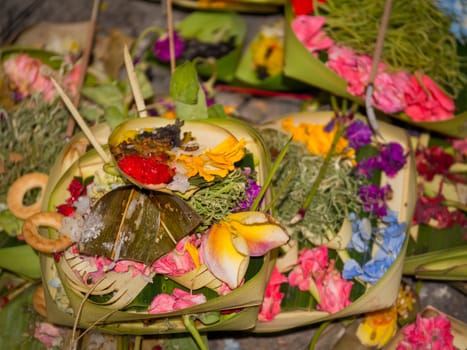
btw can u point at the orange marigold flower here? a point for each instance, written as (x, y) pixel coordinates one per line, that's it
(218, 161)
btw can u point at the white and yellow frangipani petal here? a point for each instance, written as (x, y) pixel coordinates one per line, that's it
(259, 230)
(225, 255)
(228, 245)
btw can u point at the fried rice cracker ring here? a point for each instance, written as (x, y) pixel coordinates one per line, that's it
(38, 301)
(19, 188)
(35, 240)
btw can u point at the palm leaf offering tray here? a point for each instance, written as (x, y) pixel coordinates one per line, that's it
(334, 241)
(160, 223)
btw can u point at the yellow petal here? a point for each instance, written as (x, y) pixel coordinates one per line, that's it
(378, 327)
(222, 254)
(259, 231)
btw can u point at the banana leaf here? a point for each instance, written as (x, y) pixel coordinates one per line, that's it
(29, 266)
(303, 66)
(248, 6)
(17, 323)
(236, 310)
(384, 292)
(214, 27)
(437, 254)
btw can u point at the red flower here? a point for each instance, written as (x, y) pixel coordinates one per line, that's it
(433, 160)
(76, 190)
(304, 7)
(66, 210)
(431, 211)
(146, 170)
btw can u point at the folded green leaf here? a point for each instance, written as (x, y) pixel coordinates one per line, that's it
(138, 226)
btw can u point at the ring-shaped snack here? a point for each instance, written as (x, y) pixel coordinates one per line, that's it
(18, 190)
(35, 240)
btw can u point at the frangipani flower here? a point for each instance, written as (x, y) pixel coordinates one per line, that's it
(218, 161)
(378, 327)
(227, 246)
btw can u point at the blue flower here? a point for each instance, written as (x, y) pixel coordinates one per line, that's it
(361, 234)
(374, 269)
(351, 269)
(390, 239)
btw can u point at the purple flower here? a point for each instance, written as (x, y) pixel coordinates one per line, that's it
(161, 48)
(374, 199)
(367, 167)
(252, 190)
(391, 158)
(358, 133)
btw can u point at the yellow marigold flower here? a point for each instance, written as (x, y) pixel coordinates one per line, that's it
(378, 327)
(218, 161)
(317, 140)
(268, 53)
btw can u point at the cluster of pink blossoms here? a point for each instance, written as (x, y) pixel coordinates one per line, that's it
(313, 267)
(428, 333)
(394, 92)
(29, 76)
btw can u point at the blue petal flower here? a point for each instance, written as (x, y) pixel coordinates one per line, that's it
(351, 269)
(374, 269)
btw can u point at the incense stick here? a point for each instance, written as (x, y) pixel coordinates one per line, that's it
(85, 61)
(81, 122)
(137, 94)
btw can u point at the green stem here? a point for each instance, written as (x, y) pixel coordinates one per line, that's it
(270, 176)
(322, 172)
(138, 342)
(317, 334)
(189, 323)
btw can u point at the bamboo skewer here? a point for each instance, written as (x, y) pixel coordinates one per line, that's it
(135, 88)
(85, 62)
(170, 31)
(81, 122)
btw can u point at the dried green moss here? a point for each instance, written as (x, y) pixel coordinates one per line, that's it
(35, 131)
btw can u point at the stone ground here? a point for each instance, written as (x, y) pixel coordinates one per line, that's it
(131, 17)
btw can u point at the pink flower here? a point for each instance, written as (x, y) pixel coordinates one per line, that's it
(26, 74)
(178, 300)
(178, 261)
(49, 335)
(354, 69)
(388, 95)
(334, 291)
(272, 297)
(71, 78)
(309, 262)
(425, 100)
(427, 333)
(309, 33)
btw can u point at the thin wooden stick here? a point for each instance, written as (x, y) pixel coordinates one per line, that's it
(81, 122)
(374, 68)
(85, 61)
(170, 30)
(137, 94)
